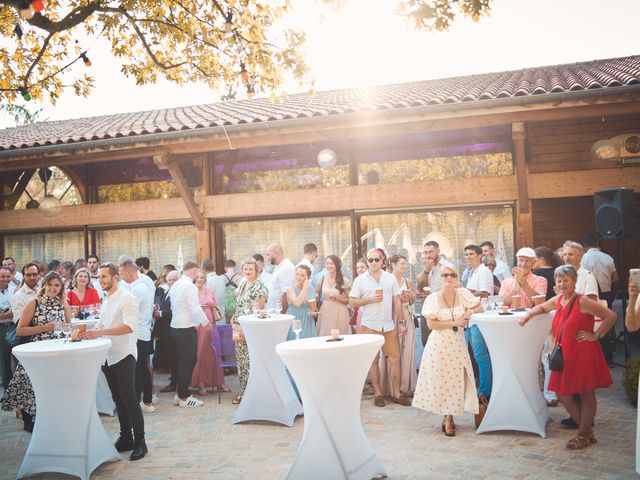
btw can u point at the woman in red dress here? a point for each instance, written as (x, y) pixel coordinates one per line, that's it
(82, 293)
(585, 367)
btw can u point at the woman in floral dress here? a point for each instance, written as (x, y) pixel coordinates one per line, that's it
(36, 323)
(251, 292)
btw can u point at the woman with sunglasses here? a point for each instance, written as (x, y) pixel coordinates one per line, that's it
(446, 384)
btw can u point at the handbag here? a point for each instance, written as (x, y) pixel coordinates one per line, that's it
(238, 334)
(556, 360)
(217, 314)
(11, 339)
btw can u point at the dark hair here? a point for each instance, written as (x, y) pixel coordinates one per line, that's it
(306, 269)
(395, 259)
(590, 240)
(487, 244)
(143, 262)
(163, 274)
(310, 248)
(113, 270)
(67, 266)
(258, 257)
(93, 256)
(189, 265)
(9, 258)
(229, 263)
(48, 278)
(548, 255)
(339, 278)
(53, 265)
(432, 243)
(473, 247)
(207, 265)
(29, 265)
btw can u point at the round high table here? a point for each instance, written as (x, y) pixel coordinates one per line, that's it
(330, 376)
(68, 436)
(516, 400)
(269, 394)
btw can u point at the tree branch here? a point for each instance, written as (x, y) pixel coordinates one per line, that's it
(75, 17)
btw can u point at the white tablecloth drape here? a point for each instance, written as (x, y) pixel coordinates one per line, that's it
(68, 436)
(269, 394)
(516, 400)
(330, 376)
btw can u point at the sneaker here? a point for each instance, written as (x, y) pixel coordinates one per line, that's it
(154, 399)
(191, 402)
(147, 408)
(176, 400)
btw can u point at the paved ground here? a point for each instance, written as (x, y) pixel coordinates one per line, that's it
(201, 443)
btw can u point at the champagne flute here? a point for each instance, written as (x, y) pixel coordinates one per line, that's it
(297, 328)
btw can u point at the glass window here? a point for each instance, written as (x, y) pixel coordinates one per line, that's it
(59, 185)
(127, 192)
(406, 233)
(332, 235)
(63, 246)
(161, 244)
(277, 169)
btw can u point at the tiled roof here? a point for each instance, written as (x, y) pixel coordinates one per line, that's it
(529, 82)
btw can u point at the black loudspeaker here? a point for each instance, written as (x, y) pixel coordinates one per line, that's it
(192, 174)
(615, 213)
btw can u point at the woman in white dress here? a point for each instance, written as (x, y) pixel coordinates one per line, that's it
(446, 385)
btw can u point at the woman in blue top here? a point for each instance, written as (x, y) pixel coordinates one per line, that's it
(299, 296)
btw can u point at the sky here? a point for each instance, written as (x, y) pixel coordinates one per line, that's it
(365, 43)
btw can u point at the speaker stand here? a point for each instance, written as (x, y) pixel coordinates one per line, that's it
(624, 334)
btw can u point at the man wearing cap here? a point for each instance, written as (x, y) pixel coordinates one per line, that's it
(523, 284)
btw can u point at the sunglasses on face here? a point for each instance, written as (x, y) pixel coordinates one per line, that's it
(372, 260)
(449, 275)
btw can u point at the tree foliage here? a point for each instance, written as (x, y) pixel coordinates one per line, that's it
(218, 42)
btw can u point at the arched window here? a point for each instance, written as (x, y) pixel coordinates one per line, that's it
(48, 187)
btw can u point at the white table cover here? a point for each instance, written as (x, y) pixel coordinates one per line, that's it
(68, 436)
(329, 376)
(104, 400)
(269, 394)
(516, 400)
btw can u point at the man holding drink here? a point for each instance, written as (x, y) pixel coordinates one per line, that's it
(519, 290)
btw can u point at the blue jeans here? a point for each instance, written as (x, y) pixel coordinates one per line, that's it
(481, 354)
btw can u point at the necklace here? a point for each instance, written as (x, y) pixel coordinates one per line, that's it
(451, 307)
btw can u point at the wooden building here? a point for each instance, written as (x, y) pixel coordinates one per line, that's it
(503, 156)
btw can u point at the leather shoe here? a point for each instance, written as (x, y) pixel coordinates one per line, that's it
(124, 444)
(168, 388)
(404, 401)
(378, 401)
(569, 422)
(139, 452)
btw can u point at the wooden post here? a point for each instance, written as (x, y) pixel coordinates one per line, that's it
(203, 236)
(524, 220)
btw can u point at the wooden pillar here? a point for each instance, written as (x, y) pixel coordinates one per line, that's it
(524, 220)
(204, 235)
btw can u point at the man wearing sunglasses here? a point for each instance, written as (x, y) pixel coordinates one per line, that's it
(377, 294)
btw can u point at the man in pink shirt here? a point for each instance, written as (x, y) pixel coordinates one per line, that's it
(523, 284)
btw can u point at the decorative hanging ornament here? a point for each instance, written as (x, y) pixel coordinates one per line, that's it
(244, 75)
(327, 158)
(38, 5)
(228, 23)
(18, 32)
(25, 94)
(85, 59)
(27, 13)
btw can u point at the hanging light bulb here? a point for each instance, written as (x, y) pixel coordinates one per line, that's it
(38, 5)
(327, 158)
(18, 31)
(25, 94)
(228, 23)
(250, 91)
(27, 12)
(85, 59)
(244, 75)
(605, 150)
(50, 203)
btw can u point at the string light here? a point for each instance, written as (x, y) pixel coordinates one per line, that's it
(27, 13)
(244, 75)
(18, 32)
(250, 91)
(38, 5)
(228, 23)
(85, 59)
(25, 94)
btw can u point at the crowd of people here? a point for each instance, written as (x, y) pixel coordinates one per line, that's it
(172, 317)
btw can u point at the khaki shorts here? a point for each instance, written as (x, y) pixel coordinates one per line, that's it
(391, 346)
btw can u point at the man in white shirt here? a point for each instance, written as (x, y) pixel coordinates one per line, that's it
(6, 316)
(19, 299)
(377, 294)
(215, 283)
(309, 256)
(93, 262)
(603, 268)
(587, 284)
(283, 277)
(119, 322)
(10, 263)
(480, 283)
(502, 270)
(187, 314)
(145, 294)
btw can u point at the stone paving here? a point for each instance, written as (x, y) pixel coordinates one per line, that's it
(202, 443)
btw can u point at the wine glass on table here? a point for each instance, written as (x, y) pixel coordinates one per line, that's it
(57, 329)
(297, 328)
(66, 330)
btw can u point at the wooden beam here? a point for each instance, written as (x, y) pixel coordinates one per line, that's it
(19, 189)
(581, 183)
(518, 135)
(524, 226)
(195, 210)
(373, 124)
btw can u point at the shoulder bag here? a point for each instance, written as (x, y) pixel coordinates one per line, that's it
(556, 360)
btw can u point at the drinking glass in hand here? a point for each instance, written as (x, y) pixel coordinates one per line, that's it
(297, 328)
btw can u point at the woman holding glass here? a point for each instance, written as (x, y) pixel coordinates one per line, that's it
(446, 385)
(37, 323)
(207, 371)
(302, 303)
(251, 295)
(334, 290)
(82, 293)
(585, 367)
